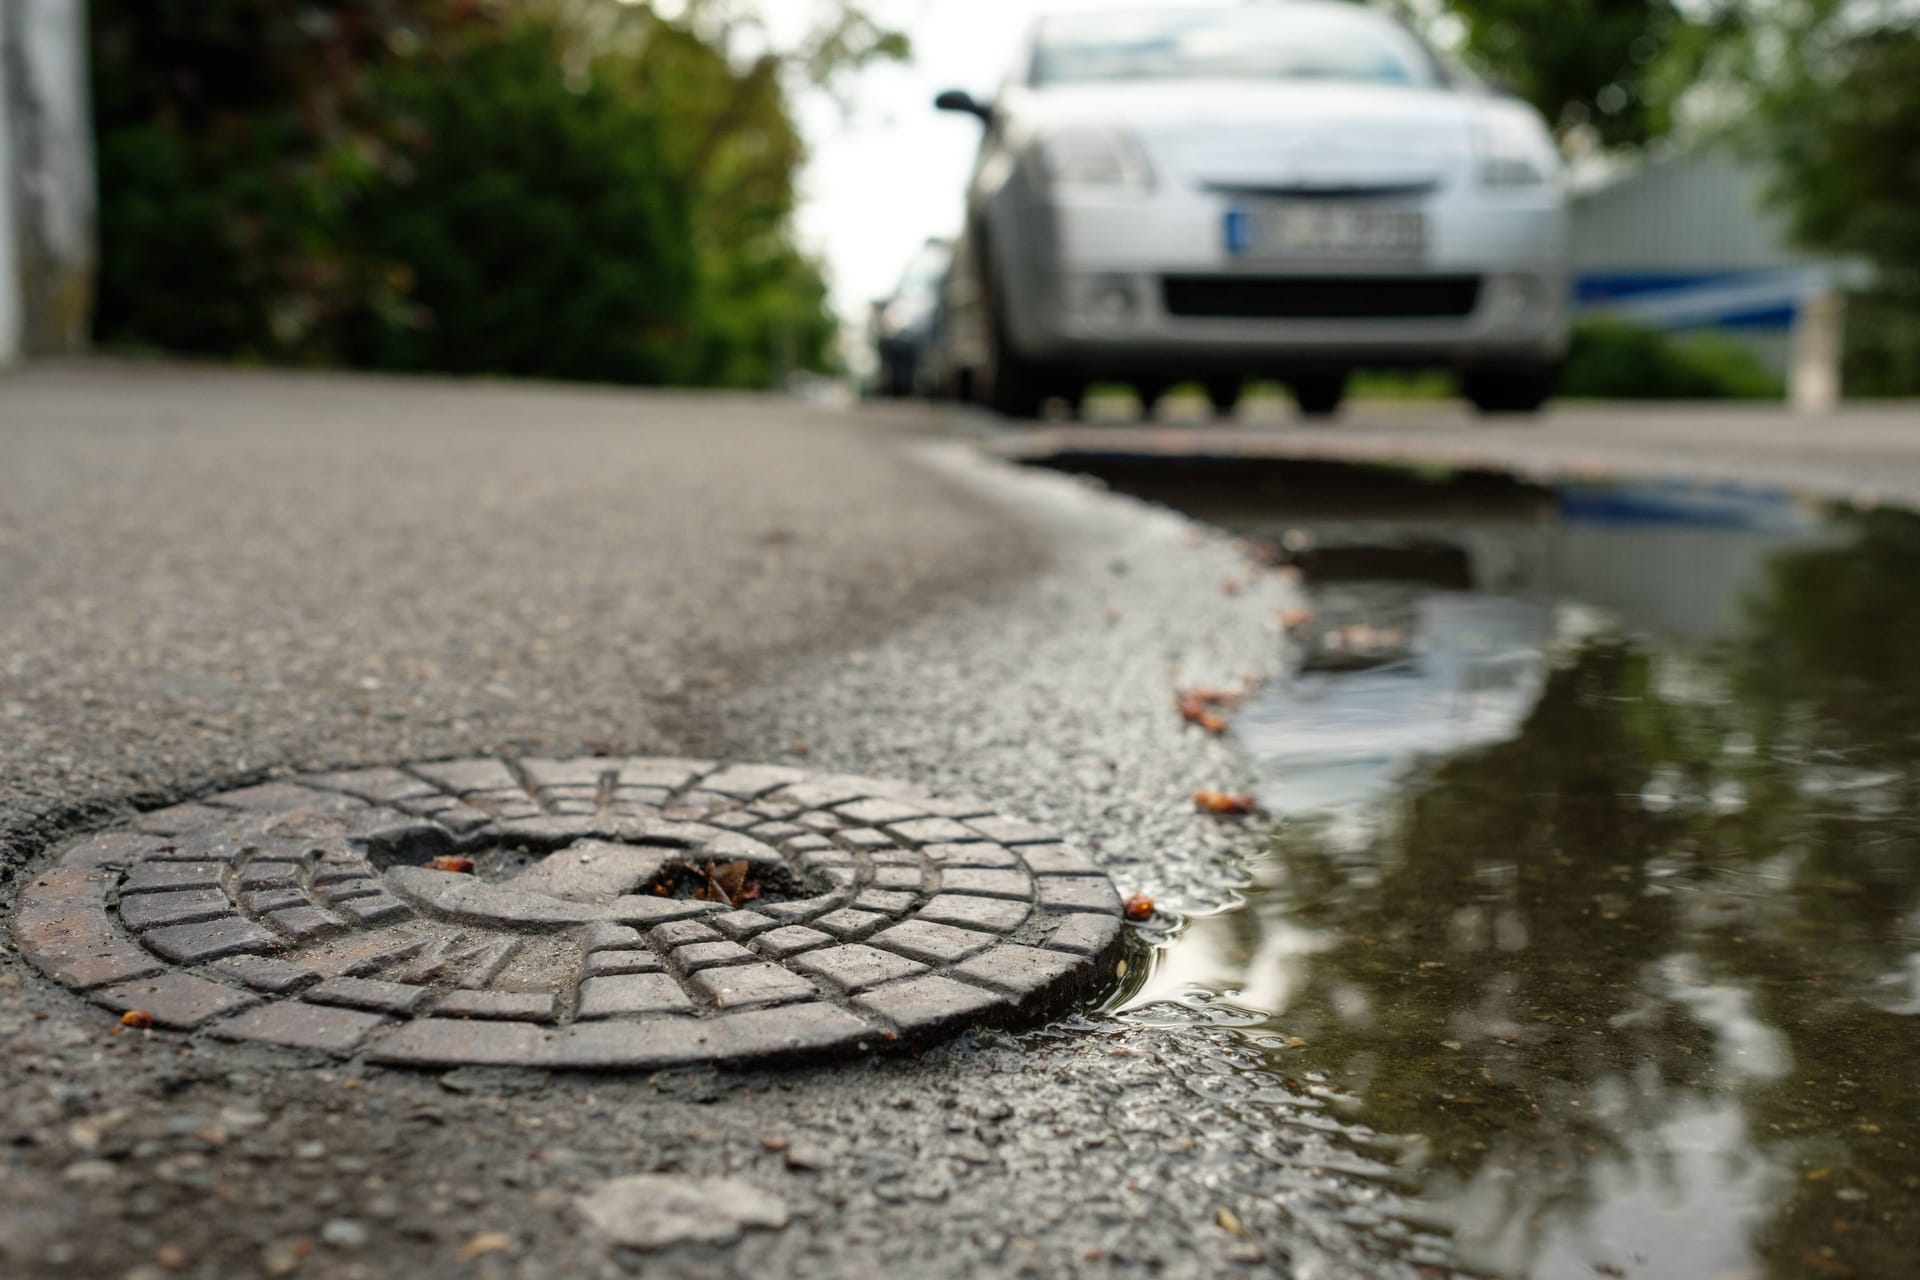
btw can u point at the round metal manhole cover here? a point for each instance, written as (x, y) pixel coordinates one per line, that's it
(594, 913)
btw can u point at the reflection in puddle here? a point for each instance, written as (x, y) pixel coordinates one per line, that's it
(1603, 893)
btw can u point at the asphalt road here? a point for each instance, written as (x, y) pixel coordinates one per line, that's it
(209, 577)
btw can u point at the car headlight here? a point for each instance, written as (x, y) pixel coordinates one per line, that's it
(1514, 151)
(1094, 158)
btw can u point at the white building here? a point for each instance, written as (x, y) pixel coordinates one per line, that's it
(1688, 242)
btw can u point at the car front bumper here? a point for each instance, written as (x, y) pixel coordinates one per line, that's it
(1112, 285)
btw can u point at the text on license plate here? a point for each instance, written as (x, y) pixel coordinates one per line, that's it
(1307, 229)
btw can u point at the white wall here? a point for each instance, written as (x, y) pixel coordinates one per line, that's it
(47, 202)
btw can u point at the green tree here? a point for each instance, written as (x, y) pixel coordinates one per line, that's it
(533, 225)
(1615, 67)
(562, 188)
(1840, 118)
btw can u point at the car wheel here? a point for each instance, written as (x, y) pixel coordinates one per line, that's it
(1319, 394)
(1224, 395)
(1510, 389)
(1011, 385)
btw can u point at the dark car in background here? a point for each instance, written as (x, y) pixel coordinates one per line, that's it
(906, 324)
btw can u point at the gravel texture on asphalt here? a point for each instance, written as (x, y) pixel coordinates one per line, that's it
(212, 578)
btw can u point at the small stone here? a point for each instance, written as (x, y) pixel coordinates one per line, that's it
(654, 1211)
(345, 1233)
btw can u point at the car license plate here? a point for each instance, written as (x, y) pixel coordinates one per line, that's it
(1325, 230)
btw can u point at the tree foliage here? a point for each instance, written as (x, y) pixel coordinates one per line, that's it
(561, 188)
(1609, 68)
(1840, 119)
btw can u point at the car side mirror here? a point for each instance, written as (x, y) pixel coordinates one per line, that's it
(965, 103)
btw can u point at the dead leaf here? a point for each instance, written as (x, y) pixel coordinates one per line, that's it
(1203, 707)
(484, 1243)
(727, 883)
(136, 1018)
(1223, 803)
(1137, 907)
(454, 863)
(1229, 1221)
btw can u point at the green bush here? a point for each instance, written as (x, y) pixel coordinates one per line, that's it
(1616, 360)
(468, 186)
(534, 227)
(1882, 345)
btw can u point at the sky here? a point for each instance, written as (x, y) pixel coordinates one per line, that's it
(891, 171)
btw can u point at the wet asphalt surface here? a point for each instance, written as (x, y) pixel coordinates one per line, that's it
(213, 577)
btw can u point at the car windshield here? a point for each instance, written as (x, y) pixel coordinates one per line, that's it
(1286, 41)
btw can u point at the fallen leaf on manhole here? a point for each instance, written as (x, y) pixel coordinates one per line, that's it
(1225, 803)
(139, 1018)
(1138, 906)
(484, 1243)
(727, 883)
(453, 862)
(1229, 1221)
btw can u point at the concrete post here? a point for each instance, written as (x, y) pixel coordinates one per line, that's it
(1813, 375)
(47, 196)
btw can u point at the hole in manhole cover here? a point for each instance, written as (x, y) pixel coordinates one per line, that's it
(598, 913)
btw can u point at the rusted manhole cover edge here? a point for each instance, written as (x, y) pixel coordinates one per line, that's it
(334, 912)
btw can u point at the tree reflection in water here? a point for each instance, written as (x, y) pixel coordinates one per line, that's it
(1645, 980)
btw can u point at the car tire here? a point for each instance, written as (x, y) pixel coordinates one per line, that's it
(1510, 389)
(1318, 394)
(1011, 385)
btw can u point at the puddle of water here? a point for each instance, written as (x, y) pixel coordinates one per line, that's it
(1598, 880)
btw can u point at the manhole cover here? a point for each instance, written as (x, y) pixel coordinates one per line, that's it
(598, 913)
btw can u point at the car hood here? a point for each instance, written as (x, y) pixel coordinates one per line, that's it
(1301, 134)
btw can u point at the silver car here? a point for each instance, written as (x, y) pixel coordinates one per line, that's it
(1286, 190)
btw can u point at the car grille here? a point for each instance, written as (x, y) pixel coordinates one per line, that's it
(1321, 297)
